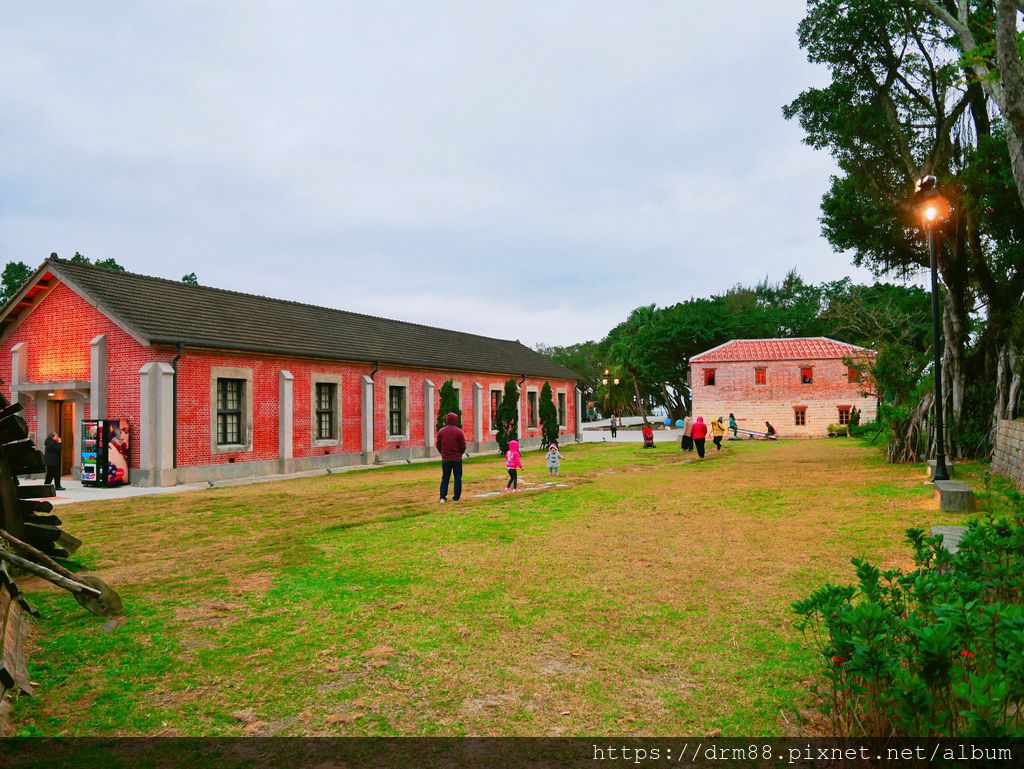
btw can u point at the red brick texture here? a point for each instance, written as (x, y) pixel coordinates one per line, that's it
(735, 391)
(59, 329)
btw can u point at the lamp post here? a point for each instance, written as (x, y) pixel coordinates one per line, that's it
(934, 210)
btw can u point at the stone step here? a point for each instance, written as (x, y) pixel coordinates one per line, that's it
(951, 536)
(954, 496)
(929, 468)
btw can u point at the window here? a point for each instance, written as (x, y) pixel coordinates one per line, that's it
(495, 403)
(760, 376)
(800, 416)
(852, 375)
(844, 415)
(709, 377)
(396, 410)
(326, 411)
(561, 409)
(230, 398)
(806, 375)
(531, 408)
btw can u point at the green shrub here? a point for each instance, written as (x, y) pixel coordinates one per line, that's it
(868, 428)
(936, 651)
(837, 429)
(854, 417)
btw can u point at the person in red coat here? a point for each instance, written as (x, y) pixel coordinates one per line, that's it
(451, 442)
(699, 432)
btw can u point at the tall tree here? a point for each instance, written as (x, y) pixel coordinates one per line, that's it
(13, 278)
(448, 404)
(508, 416)
(989, 42)
(549, 426)
(900, 106)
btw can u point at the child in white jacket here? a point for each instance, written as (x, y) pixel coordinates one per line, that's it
(554, 459)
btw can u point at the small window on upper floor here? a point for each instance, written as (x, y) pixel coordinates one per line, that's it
(760, 376)
(807, 375)
(709, 377)
(852, 374)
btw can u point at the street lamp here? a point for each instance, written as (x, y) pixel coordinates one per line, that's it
(934, 210)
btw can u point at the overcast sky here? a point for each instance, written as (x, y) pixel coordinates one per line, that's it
(528, 170)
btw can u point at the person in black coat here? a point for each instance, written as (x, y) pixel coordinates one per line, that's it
(51, 457)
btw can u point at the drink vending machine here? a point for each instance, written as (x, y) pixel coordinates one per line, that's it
(105, 452)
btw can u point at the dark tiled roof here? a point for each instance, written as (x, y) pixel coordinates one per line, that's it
(167, 311)
(798, 348)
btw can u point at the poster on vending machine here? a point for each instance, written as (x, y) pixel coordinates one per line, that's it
(118, 445)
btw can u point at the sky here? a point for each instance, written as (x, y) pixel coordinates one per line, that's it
(528, 170)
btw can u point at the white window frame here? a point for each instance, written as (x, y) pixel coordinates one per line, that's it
(314, 380)
(232, 372)
(388, 384)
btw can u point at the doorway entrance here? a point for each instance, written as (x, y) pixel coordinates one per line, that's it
(61, 418)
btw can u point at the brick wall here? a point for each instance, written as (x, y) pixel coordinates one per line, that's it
(1008, 457)
(194, 380)
(58, 330)
(735, 391)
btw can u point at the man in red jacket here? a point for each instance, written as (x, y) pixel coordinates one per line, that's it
(451, 442)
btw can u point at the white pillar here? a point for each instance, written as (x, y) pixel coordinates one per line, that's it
(285, 417)
(19, 368)
(478, 414)
(579, 415)
(429, 415)
(98, 377)
(367, 419)
(155, 434)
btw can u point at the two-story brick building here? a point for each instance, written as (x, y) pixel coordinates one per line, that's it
(799, 385)
(219, 384)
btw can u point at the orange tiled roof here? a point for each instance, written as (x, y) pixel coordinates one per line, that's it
(800, 348)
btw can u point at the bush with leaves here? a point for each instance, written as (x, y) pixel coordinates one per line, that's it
(936, 651)
(548, 417)
(508, 416)
(448, 403)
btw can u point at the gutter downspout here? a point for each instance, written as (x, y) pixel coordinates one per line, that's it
(373, 374)
(174, 406)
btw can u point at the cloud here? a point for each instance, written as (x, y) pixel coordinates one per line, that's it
(543, 167)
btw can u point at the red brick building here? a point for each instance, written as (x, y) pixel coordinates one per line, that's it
(799, 385)
(218, 384)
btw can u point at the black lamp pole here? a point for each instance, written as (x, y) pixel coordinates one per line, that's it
(941, 473)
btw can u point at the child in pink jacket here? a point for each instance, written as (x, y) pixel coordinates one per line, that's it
(513, 462)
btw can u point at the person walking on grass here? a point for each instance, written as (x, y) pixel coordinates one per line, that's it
(554, 458)
(451, 443)
(718, 431)
(699, 432)
(51, 455)
(615, 425)
(733, 426)
(513, 463)
(687, 440)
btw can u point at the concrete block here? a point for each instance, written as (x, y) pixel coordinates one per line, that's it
(951, 536)
(954, 496)
(929, 468)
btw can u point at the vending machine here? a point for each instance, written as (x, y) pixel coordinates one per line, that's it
(105, 452)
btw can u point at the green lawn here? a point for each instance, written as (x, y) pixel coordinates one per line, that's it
(649, 597)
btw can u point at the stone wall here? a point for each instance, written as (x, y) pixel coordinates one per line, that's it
(1008, 457)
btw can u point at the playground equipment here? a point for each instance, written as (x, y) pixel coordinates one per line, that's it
(752, 434)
